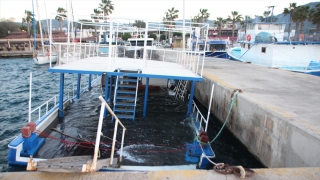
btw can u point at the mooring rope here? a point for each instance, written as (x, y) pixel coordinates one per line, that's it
(233, 101)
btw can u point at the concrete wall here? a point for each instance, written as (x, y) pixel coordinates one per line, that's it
(276, 140)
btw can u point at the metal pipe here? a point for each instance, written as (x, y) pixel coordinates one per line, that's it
(30, 89)
(96, 147)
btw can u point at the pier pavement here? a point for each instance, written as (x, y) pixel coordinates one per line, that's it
(260, 174)
(277, 113)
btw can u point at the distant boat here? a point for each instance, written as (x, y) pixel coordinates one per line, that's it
(47, 55)
(40, 57)
(215, 48)
(268, 45)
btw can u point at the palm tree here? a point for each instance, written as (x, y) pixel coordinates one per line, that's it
(220, 22)
(266, 14)
(300, 16)
(171, 15)
(107, 7)
(27, 19)
(96, 13)
(60, 16)
(247, 20)
(203, 17)
(290, 11)
(314, 17)
(235, 18)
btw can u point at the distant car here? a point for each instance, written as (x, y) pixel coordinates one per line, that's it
(166, 46)
(157, 44)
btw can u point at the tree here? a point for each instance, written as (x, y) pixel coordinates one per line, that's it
(178, 34)
(154, 36)
(219, 23)
(107, 7)
(300, 16)
(95, 16)
(314, 17)
(235, 17)
(201, 18)
(290, 11)
(162, 37)
(126, 36)
(27, 19)
(266, 15)
(171, 15)
(7, 25)
(61, 16)
(24, 28)
(139, 24)
(247, 20)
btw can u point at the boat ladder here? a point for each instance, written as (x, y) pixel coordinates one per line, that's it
(181, 89)
(125, 94)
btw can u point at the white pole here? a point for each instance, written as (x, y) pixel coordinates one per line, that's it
(40, 28)
(184, 31)
(110, 42)
(145, 43)
(209, 107)
(30, 89)
(96, 147)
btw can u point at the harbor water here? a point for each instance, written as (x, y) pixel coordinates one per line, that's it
(14, 97)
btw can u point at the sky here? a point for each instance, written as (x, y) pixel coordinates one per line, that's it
(147, 9)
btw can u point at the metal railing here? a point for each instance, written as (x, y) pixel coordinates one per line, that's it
(192, 60)
(199, 117)
(53, 102)
(99, 133)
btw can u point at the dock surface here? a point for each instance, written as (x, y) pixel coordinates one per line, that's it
(277, 113)
(260, 174)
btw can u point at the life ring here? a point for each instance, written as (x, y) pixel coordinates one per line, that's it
(248, 37)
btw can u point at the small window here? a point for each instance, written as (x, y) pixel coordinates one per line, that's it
(263, 49)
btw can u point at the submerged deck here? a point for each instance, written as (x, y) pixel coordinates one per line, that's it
(155, 140)
(150, 68)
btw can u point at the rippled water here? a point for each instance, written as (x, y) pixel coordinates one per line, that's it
(14, 94)
(14, 97)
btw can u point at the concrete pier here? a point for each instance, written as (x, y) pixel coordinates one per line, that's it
(260, 174)
(16, 54)
(277, 114)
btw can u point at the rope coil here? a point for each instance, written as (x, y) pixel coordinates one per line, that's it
(236, 170)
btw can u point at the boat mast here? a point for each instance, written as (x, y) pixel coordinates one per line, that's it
(34, 29)
(45, 8)
(40, 28)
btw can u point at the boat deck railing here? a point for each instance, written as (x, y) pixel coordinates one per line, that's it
(280, 37)
(40, 112)
(70, 52)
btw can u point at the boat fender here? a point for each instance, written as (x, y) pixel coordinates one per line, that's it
(25, 132)
(203, 137)
(202, 133)
(32, 126)
(248, 37)
(48, 53)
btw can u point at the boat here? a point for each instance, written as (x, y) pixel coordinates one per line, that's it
(48, 53)
(118, 103)
(267, 44)
(215, 48)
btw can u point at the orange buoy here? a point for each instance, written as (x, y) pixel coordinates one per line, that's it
(248, 37)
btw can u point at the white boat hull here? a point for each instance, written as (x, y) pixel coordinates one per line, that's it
(45, 59)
